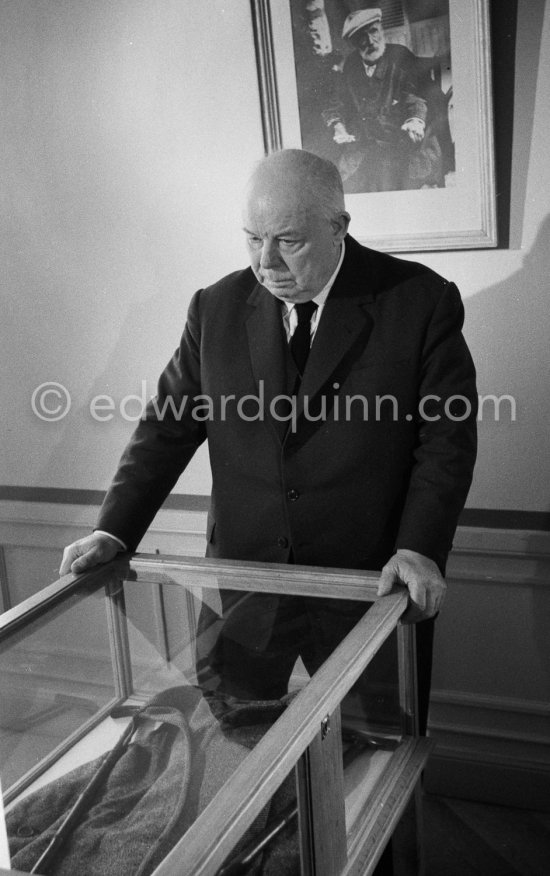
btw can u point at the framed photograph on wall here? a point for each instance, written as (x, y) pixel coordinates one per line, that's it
(397, 93)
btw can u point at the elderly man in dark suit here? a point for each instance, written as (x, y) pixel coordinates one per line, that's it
(337, 396)
(381, 104)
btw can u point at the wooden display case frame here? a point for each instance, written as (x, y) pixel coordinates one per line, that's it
(305, 738)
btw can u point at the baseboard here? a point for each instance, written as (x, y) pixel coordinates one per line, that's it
(461, 776)
(492, 749)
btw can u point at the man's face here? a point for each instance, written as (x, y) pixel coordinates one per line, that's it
(370, 42)
(293, 248)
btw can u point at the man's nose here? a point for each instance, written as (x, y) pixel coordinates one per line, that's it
(269, 256)
(366, 40)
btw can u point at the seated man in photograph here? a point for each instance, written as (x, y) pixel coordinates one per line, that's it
(381, 105)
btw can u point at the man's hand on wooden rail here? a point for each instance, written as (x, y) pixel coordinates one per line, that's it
(421, 577)
(88, 552)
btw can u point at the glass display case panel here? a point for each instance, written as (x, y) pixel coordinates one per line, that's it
(229, 700)
(56, 683)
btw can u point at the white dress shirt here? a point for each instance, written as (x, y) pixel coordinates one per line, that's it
(290, 317)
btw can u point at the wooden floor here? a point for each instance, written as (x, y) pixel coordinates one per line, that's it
(463, 838)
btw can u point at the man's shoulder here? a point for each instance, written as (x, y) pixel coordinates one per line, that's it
(400, 289)
(353, 64)
(234, 288)
(417, 274)
(397, 52)
(390, 272)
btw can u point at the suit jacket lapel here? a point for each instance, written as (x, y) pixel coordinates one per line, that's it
(346, 316)
(267, 347)
(343, 321)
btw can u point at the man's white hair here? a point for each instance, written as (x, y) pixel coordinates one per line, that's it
(317, 178)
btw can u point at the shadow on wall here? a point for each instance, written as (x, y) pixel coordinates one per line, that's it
(515, 317)
(516, 32)
(515, 100)
(508, 331)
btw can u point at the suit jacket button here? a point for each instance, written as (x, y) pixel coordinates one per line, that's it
(282, 542)
(292, 495)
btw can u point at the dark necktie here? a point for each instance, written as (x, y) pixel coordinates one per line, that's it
(300, 341)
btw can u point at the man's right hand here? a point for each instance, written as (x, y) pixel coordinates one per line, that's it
(87, 552)
(341, 135)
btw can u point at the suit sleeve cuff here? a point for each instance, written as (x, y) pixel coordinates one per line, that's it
(110, 535)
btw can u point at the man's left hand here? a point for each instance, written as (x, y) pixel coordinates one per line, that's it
(415, 129)
(421, 577)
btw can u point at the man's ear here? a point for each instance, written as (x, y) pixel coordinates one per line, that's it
(340, 225)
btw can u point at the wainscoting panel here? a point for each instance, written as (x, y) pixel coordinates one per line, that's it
(490, 704)
(34, 534)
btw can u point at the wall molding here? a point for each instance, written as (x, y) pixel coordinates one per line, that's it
(497, 555)
(492, 518)
(68, 496)
(492, 749)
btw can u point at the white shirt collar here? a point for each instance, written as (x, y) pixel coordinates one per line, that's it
(369, 69)
(322, 296)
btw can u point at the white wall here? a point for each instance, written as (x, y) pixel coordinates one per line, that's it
(128, 132)
(128, 129)
(506, 294)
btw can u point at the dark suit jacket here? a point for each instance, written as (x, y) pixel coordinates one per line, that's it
(345, 490)
(376, 107)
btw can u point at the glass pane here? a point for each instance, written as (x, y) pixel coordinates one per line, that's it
(271, 846)
(56, 677)
(373, 704)
(179, 677)
(371, 731)
(27, 569)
